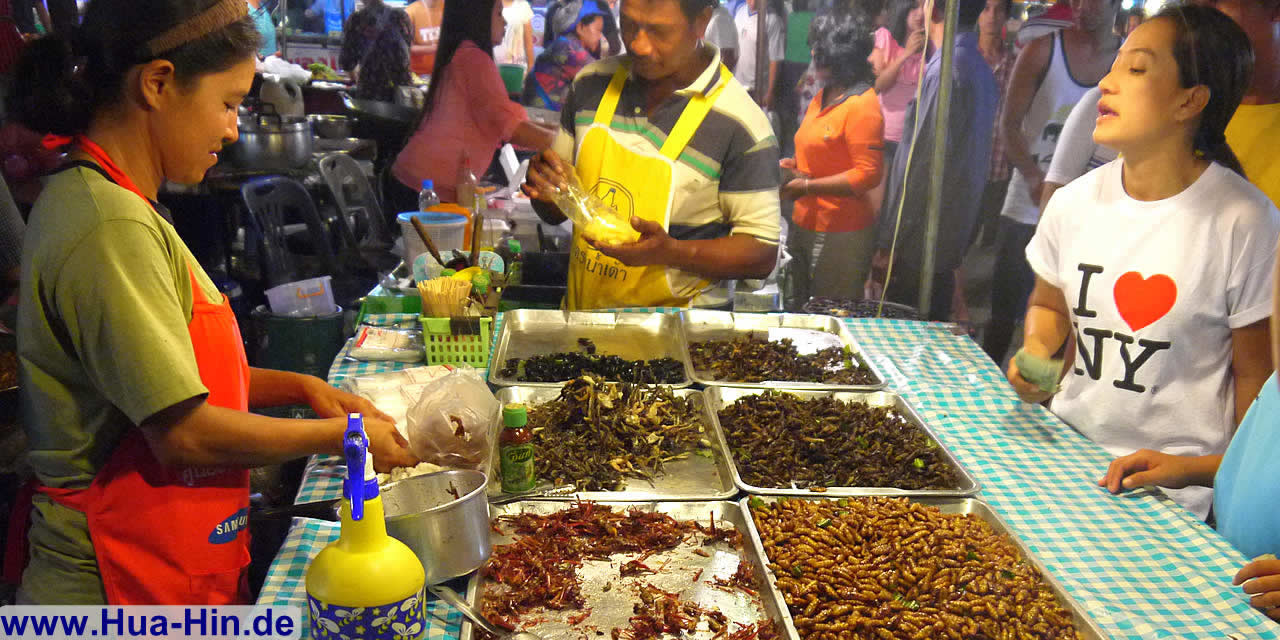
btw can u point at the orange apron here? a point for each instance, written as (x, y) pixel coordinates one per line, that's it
(163, 534)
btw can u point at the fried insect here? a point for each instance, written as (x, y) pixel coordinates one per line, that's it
(778, 439)
(596, 435)
(751, 358)
(539, 569)
(558, 367)
(890, 568)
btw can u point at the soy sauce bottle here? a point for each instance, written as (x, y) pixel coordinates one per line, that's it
(516, 449)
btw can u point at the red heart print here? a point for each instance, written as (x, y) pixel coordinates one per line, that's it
(1142, 301)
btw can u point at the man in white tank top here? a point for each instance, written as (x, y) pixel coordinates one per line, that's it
(1049, 77)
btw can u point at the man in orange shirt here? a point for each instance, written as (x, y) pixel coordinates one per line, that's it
(425, 16)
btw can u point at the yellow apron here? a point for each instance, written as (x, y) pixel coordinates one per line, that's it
(636, 181)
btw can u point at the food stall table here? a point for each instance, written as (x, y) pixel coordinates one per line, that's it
(1140, 565)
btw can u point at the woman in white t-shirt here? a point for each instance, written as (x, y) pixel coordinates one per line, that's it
(1157, 265)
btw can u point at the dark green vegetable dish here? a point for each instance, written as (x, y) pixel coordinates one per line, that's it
(778, 439)
(559, 367)
(596, 435)
(751, 358)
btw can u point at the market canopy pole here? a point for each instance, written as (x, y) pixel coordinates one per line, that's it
(943, 114)
(762, 51)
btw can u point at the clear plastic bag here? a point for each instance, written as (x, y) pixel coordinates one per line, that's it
(381, 343)
(598, 221)
(450, 423)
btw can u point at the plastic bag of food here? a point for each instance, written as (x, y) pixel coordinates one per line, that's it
(381, 343)
(450, 423)
(598, 221)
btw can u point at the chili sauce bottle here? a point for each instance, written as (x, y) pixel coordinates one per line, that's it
(365, 584)
(516, 450)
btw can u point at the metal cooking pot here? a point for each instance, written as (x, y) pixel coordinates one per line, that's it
(330, 126)
(449, 535)
(270, 141)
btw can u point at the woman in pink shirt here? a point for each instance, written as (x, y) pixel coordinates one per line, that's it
(467, 111)
(897, 68)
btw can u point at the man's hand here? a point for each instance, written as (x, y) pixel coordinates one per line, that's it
(1261, 579)
(1146, 468)
(1035, 183)
(329, 402)
(655, 246)
(389, 448)
(547, 173)
(795, 189)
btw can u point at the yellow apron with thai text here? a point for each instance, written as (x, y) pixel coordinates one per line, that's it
(637, 181)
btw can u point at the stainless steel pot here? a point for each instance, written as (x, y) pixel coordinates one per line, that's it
(330, 126)
(449, 535)
(270, 141)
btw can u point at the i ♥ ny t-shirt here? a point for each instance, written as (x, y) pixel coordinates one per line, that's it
(1154, 290)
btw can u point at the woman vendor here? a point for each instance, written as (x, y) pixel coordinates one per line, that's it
(135, 386)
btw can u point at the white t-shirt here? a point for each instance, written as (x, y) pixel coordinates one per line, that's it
(746, 22)
(1077, 153)
(1154, 290)
(721, 31)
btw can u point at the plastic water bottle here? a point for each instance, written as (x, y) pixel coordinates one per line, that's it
(427, 198)
(466, 185)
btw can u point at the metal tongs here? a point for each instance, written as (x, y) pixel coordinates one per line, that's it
(541, 491)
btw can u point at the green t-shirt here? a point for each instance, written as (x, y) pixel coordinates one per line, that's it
(103, 345)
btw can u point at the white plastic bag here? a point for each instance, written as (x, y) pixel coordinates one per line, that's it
(450, 423)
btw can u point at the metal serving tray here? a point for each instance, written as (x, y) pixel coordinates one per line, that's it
(699, 325)
(680, 565)
(720, 397)
(693, 478)
(1087, 628)
(632, 336)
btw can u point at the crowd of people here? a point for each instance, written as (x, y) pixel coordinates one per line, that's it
(1124, 169)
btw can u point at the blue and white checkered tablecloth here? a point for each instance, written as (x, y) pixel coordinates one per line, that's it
(286, 582)
(1139, 564)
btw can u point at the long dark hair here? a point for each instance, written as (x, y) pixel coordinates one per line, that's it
(842, 39)
(1212, 50)
(463, 21)
(898, 12)
(50, 94)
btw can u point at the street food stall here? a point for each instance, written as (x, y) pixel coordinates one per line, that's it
(1005, 492)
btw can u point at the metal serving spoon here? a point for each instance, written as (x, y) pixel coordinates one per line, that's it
(456, 601)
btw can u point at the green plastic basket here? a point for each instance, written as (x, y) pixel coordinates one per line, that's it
(443, 346)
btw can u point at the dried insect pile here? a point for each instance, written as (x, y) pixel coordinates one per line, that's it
(539, 572)
(888, 568)
(778, 439)
(558, 367)
(596, 435)
(843, 308)
(751, 358)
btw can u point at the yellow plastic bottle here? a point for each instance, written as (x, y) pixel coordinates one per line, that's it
(365, 584)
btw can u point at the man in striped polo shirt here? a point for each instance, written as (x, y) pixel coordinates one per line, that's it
(668, 137)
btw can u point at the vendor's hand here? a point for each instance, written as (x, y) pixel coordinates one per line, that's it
(547, 173)
(788, 163)
(795, 189)
(654, 247)
(389, 448)
(329, 402)
(1261, 579)
(1146, 468)
(1028, 392)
